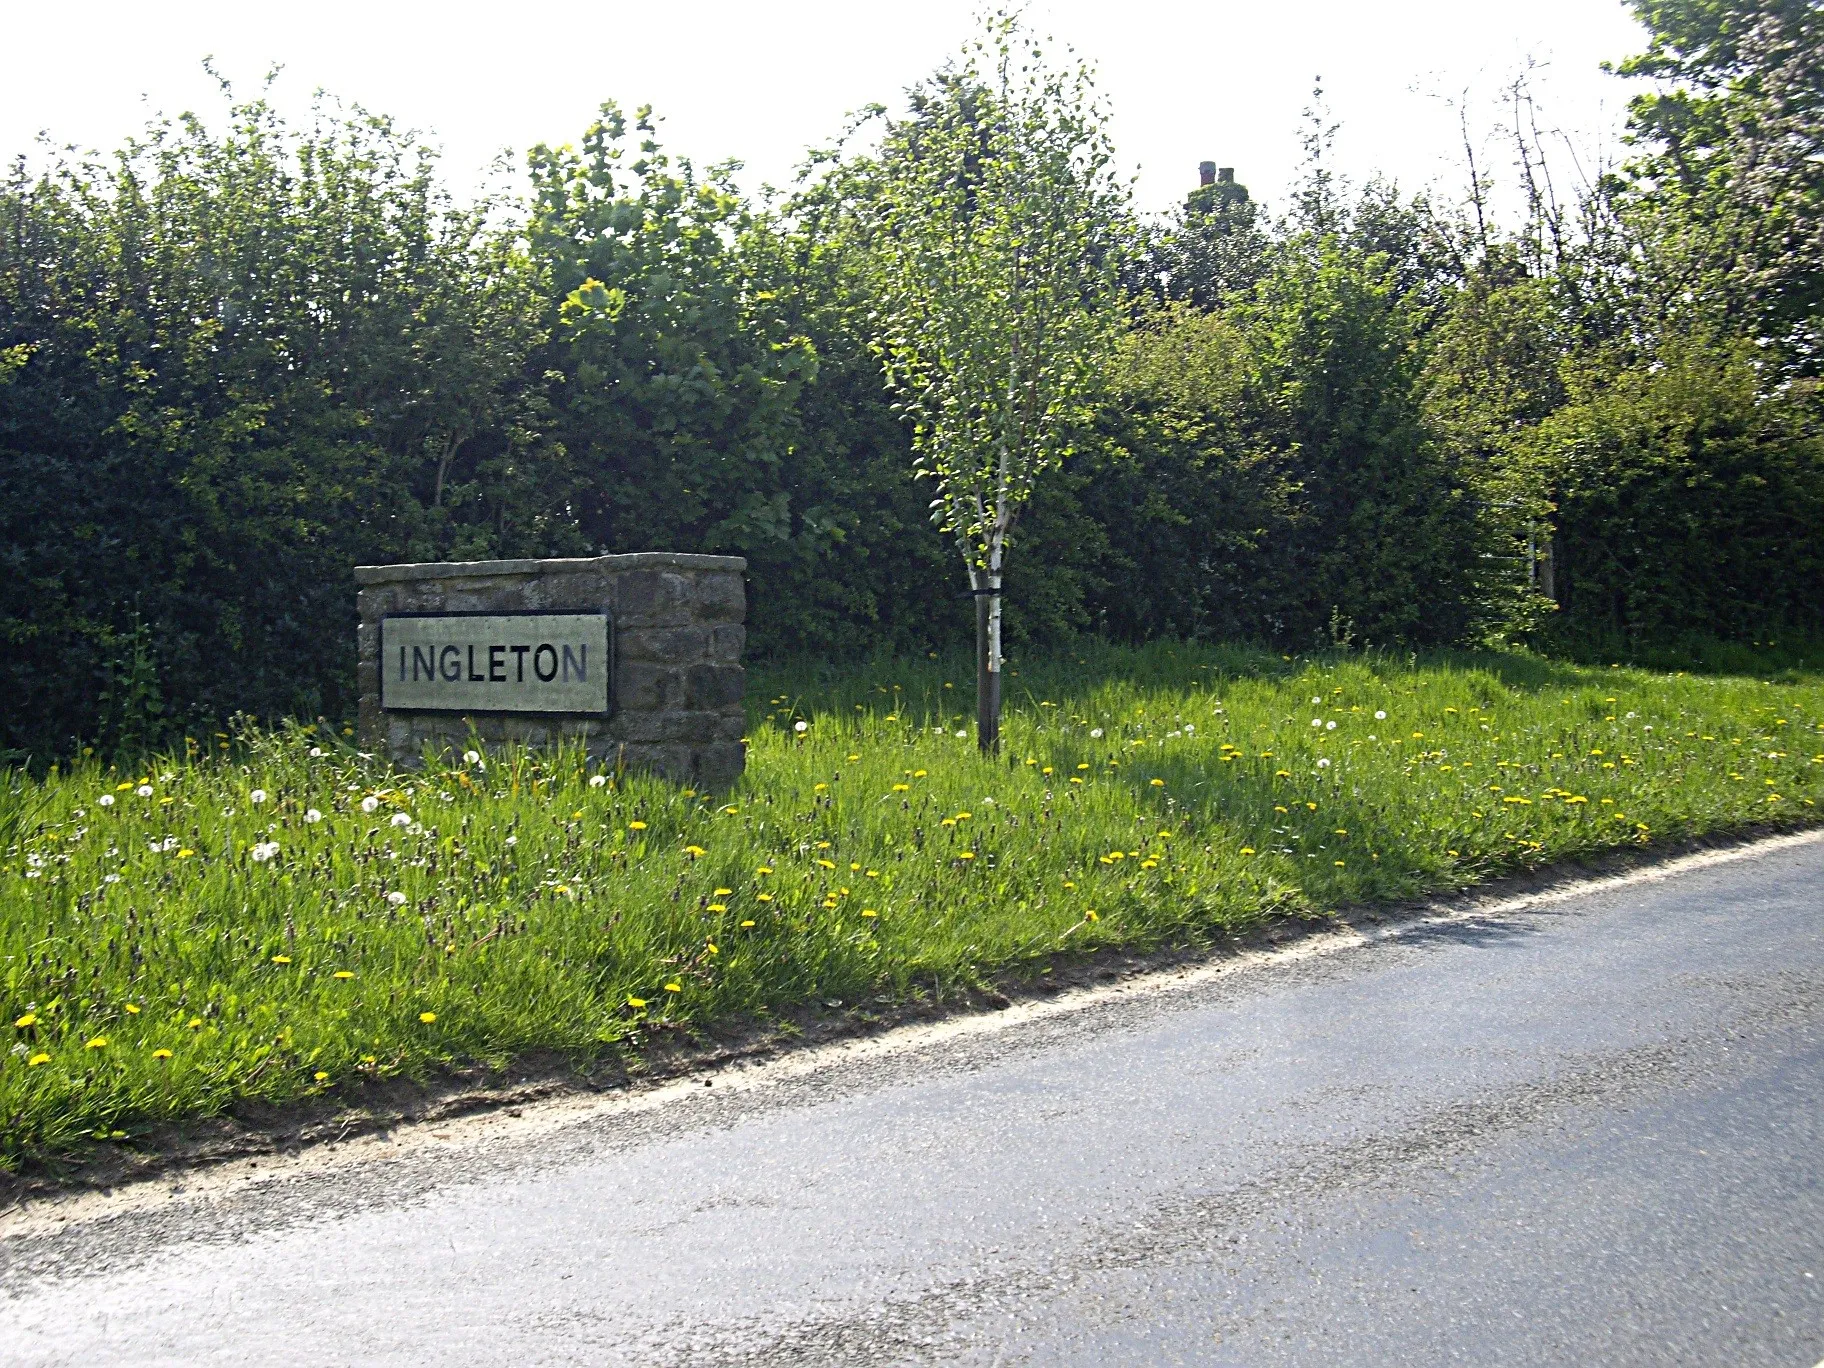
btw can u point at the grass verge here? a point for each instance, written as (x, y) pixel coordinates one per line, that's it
(273, 917)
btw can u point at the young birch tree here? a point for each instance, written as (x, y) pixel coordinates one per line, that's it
(994, 242)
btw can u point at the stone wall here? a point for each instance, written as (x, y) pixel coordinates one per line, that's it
(675, 700)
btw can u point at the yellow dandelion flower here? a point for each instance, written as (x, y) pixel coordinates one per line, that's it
(97, 1043)
(965, 855)
(869, 912)
(827, 864)
(764, 869)
(427, 1017)
(132, 1009)
(696, 852)
(918, 774)
(1247, 850)
(1158, 783)
(161, 1054)
(747, 923)
(321, 1077)
(29, 1019)
(721, 892)
(718, 907)
(763, 897)
(40, 1058)
(342, 974)
(281, 959)
(636, 826)
(674, 987)
(194, 1024)
(636, 1002)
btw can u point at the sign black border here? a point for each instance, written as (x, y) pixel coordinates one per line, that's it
(604, 615)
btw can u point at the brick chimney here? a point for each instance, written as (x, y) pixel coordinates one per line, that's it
(1206, 173)
(1226, 176)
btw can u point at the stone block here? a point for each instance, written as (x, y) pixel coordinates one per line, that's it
(639, 687)
(662, 645)
(709, 687)
(719, 598)
(726, 644)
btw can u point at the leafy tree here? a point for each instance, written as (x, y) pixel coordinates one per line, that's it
(1729, 192)
(238, 364)
(1688, 501)
(679, 376)
(1381, 540)
(994, 240)
(1212, 251)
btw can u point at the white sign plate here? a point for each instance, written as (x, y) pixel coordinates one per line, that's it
(495, 662)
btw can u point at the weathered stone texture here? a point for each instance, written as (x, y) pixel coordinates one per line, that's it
(675, 705)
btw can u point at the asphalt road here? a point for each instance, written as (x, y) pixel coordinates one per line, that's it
(1583, 1132)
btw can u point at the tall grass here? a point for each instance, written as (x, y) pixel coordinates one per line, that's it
(274, 915)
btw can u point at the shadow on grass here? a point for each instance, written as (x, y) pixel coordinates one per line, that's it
(943, 686)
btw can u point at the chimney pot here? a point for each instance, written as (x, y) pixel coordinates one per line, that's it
(1206, 173)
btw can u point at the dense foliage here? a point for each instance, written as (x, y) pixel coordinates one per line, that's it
(234, 363)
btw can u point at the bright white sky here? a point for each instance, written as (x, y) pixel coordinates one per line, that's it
(1223, 80)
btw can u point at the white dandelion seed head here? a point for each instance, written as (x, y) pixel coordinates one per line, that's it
(1373, 737)
(1380, 715)
(111, 878)
(801, 727)
(1095, 731)
(597, 780)
(402, 819)
(264, 851)
(1189, 729)
(396, 899)
(1317, 721)
(144, 790)
(1317, 700)
(1323, 764)
(316, 752)
(313, 815)
(370, 803)
(512, 840)
(471, 757)
(166, 778)
(961, 734)
(106, 800)
(257, 796)
(1329, 726)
